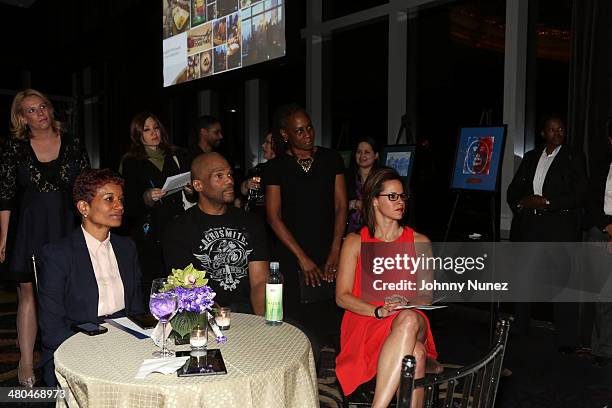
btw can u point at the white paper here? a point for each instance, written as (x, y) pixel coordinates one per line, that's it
(420, 307)
(176, 183)
(164, 366)
(213, 325)
(126, 322)
(156, 333)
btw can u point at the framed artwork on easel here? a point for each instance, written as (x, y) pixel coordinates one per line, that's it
(478, 158)
(400, 158)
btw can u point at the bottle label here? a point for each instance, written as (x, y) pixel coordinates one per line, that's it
(274, 302)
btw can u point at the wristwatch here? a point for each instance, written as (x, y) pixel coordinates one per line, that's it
(376, 314)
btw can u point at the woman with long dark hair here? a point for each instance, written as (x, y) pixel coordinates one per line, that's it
(363, 160)
(150, 160)
(37, 171)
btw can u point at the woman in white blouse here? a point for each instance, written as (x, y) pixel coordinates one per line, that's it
(92, 274)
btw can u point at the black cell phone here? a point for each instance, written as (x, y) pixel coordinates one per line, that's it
(205, 362)
(144, 321)
(90, 329)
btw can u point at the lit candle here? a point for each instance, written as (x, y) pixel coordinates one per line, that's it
(198, 338)
(223, 318)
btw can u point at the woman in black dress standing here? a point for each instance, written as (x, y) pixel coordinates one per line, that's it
(145, 167)
(305, 203)
(37, 171)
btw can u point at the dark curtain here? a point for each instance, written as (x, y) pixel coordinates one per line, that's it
(590, 86)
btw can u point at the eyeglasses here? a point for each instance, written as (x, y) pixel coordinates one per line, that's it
(35, 109)
(395, 196)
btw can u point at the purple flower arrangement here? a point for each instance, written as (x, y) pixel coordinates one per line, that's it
(197, 299)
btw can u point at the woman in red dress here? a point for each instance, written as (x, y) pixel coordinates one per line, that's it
(374, 336)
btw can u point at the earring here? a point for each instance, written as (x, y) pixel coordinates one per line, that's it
(85, 215)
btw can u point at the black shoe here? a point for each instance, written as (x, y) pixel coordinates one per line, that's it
(567, 350)
(601, 361)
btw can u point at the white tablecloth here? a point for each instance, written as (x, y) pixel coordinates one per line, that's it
(267, 366)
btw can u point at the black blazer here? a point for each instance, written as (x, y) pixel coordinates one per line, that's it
(141, 175)
(67, 288)
(596, 217)
(565, 184)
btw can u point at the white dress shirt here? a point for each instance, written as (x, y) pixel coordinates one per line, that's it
(108, 278)
(543, 166)
(608, 193)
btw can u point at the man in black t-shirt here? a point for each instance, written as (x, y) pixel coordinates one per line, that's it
(228, 243)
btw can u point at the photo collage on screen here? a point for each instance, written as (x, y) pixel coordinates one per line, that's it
(220, 35)
(263, 30)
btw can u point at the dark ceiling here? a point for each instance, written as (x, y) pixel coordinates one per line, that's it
(19, 3)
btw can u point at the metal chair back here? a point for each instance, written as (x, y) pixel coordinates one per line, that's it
(35, 270)
(473, 386)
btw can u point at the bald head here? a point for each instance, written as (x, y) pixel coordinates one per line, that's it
(211, 177)
(203, 163)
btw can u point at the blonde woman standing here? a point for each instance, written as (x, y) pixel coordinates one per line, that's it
(38, 166)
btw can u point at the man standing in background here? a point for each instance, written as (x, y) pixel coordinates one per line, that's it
(599, 211)
(209, 134)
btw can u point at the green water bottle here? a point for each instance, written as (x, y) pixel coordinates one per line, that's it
(274, 296)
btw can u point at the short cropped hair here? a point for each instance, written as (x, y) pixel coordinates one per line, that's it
(205, 122)
(545, 120)
(279, 121)
(283, 113)
(89, 181)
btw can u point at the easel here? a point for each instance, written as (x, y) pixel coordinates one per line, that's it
(485, 119)
(405, 126)
(410, 139)
(492, 208)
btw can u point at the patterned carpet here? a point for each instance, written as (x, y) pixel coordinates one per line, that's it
(9, 353)
(329, 393)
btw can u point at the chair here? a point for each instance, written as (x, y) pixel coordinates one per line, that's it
(35, 270)
(474, 386)
(364, 394)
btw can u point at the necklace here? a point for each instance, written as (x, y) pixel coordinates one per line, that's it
(305, 164)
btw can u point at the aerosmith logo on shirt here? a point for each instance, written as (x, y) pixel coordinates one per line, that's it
(224, 256)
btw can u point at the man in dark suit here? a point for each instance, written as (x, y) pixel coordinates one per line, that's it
(548, 190)
(546, 196)
(599, 212)
(91, 275)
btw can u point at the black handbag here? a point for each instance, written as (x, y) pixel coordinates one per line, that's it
(309, 294)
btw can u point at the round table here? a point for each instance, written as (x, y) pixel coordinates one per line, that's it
(267, 366)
